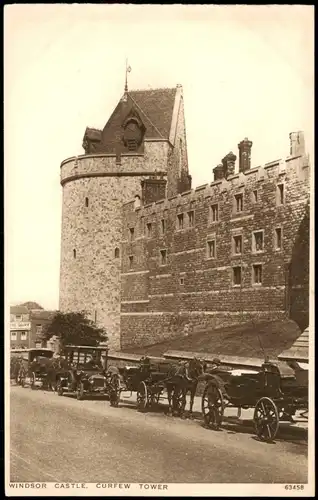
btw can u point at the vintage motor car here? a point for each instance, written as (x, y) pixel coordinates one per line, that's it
(85, 373)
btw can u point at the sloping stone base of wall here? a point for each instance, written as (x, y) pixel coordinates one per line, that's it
(141, 330)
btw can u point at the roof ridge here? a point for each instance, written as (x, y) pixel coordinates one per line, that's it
(151, 90)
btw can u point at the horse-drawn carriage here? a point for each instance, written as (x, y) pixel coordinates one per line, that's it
(15, 364)
(85, 373)
(276, 392)
(34, 367)
(158, 379)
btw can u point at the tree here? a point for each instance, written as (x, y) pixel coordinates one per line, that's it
(74, 328)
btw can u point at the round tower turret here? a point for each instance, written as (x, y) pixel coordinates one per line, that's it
(94, 190)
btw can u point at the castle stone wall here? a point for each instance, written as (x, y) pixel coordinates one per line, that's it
(191, 290)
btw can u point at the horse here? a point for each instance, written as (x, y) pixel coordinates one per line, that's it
(183, 378)
(15, 364)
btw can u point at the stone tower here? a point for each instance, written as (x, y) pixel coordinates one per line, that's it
(144, 141)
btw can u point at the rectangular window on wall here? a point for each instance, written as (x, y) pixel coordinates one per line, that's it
(237, 276)
(163, 257)
(180, 221)
(149, 229)
(13, 335)
(214, 212)
(191, 218)
(255, 196)
(23, 336)
(258, 241)
(237, 244)
(131, 261)
(131, 233)
(211, 249)
(257, 274)
(163, 226)
(278, 238)
(38, 329)
(238, 203)
(280, 194)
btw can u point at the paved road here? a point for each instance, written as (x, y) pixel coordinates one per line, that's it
(61, 439)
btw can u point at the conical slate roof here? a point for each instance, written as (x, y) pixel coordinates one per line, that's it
(154, 108)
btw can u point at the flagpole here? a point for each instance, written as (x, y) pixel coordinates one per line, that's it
(126, 83)
(128, 69)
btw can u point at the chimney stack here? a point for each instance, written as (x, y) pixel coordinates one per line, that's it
(153, 190)
(297, 143)
(229, 164)
(245, 147)
(218, 172)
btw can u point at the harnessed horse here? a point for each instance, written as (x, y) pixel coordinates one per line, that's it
(184, 378)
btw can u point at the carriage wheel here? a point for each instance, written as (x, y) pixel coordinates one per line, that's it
(179, 401)
(114, 395)
(212, 406)
(142, 397)
(266, 419)
(59, 388)
(80, 391)
(22, 380)
(33, 381)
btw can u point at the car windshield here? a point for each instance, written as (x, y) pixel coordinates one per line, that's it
(82, 358)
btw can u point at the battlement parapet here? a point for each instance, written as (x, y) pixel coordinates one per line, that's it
(271, 172)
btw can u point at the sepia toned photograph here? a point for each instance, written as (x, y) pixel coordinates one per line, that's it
(159, 250)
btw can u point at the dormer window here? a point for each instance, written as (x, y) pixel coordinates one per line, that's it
(133, 133)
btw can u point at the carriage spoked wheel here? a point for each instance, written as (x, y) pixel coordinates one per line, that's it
(179, 402)
(266, 419)
(80, 391)
(142, 397)
(212, 406)
(32, 383)
(59, 388)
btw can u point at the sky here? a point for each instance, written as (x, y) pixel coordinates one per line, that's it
(246, 71)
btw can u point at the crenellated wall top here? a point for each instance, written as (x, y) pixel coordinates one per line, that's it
(274, 171)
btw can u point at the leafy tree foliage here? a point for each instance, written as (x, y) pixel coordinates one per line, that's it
(74, 328)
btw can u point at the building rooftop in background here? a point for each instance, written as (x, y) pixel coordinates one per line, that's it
(19, 310)
(41, 314)
(31, 305)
